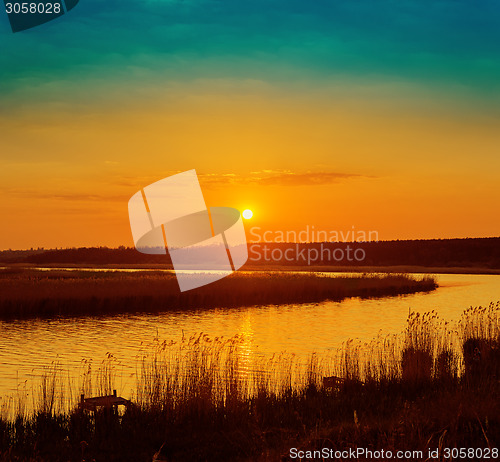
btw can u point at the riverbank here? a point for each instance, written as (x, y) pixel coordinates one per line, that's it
(381, 269)
(434, 386)
(28, 292)
(271, 267)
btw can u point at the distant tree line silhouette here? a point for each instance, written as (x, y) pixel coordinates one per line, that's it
(471, 252)
(84, 255)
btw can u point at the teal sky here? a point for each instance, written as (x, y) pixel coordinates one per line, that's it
(102, 49)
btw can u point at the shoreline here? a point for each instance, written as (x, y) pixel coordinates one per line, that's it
(271, 268)
(382, 269)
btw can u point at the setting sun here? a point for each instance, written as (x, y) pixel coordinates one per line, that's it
(247, 214)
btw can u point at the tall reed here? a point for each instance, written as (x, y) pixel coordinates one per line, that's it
(196, 396)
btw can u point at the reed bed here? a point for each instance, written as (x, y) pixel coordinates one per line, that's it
(28, 293)
(435, 385)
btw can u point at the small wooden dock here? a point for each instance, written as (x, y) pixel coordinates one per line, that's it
(334, 383)
(104, 402)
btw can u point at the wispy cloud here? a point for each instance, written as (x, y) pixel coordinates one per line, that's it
(75, 196)
(277, 177)
(127, 185)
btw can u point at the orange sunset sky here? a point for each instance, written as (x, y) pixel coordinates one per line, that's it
(294, 163)
(299, 139)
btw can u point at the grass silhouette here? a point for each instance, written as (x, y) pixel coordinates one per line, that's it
(433, 386)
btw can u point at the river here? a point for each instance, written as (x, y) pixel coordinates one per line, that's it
(28, 346)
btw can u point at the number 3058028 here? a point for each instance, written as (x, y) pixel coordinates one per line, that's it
(32, 8)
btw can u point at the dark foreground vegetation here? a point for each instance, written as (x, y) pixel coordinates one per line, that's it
(432, 387)
(30, 292)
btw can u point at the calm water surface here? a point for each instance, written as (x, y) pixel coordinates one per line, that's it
(26, 347)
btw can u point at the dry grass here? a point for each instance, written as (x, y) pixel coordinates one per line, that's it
(33, 293)
(416, 390)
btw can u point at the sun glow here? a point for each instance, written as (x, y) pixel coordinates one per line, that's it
(247, 214)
